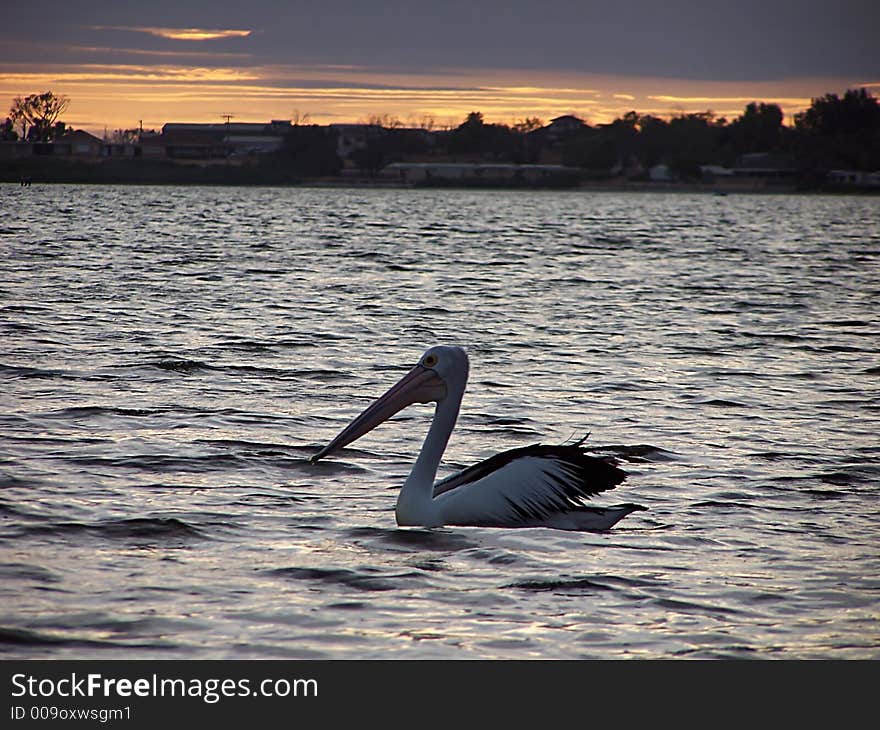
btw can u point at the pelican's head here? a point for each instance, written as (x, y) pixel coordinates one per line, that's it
(440, 369)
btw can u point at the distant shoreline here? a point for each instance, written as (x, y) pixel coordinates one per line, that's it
(143, 172)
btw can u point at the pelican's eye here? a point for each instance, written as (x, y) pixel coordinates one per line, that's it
(429, 361)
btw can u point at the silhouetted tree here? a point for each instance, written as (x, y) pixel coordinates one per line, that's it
(386, 121)
(652, 139)
(125, 136)
(7, 131)
(310, 151)
(604, 146)
(857, 111)
(758, 129)
(37, 114)
(475, 137)
(374, 155)
(529, 124)
(694, 140)
(837, 132)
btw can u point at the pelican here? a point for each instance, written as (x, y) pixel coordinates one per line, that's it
(532, 486)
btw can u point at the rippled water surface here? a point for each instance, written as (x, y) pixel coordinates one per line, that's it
(171, 357)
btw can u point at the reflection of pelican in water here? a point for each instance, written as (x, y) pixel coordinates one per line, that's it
(533, 486)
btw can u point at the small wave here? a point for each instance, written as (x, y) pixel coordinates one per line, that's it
(139, 528)
(726, 504)
(503, 420)
(840, 478)
(294, 343)
(23, 308)
(75, 412)
(363, 581)
(637, 453)
(25, 571)
(495, 556)
(844, 348)
(9, 481)
(256, 447)
(186, 367)
(333, 468)
(19, 371)
(510, 431)
(320, 374)
(780, 336)
(246, 345)
(160, 462)
(496, 384)
(26, 637)
(348, 606)
(824, 493)
(691, 607)
(575, 585)
(771, 455)
(624, 387)
(722, 403)
(10, 510)
(11, 635)
(420, 539)
(848, 323)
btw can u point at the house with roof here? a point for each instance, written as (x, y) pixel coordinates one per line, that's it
(353, 137)
(470, 174)
(766, 166)
(205, 142)
(561, 128)
(72, 144)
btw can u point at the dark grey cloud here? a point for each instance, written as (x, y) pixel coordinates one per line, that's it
(736, 40)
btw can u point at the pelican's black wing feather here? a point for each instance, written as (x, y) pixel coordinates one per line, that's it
(580, 474)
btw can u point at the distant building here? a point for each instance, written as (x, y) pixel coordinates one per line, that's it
(478, 172)
(125, 150)
(76, 144)
(14, 149)
(561, 128)
(566, 124)
(187, 141)
(712, 173)
(854, 177)
(765, 166)
(180, 142)
(660, 173)
(352, 137)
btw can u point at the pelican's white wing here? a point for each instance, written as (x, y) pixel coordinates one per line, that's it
(535, 485)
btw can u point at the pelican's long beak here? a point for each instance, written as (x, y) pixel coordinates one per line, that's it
(419, 385)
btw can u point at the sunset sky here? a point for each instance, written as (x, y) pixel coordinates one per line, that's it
(343, 61)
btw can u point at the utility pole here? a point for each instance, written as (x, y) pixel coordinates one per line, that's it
(227, 117)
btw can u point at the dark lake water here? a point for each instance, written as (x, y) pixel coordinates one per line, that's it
(170, 358)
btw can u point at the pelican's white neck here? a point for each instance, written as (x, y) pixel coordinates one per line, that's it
(415, 502)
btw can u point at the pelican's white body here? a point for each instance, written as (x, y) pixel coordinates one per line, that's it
(531, 487)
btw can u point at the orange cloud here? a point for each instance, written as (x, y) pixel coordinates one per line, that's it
(100, 73)
(180, 34)
(116, 95)
(158, 54)
(796, 101)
